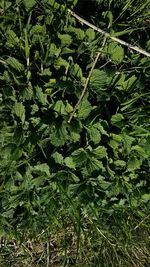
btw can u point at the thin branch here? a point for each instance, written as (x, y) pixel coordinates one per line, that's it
(87, 81)
(106, 34)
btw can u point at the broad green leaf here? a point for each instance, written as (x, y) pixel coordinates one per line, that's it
(59, 135)
(69, 162)
(74, 136)
(74, 131)
(29, 4)
(35, 109)
(99, 152)
(40, 96)
(94, 134)
(19, 111)
(120, 163)
(15, 64)
(38, 29)
(79, 34)
(60, 62)
(12, 39)
(103, 183)
(117, 119)
(115, 141)
(54, 51)
(68, 107)
(27, 92)
(41, 169)
(60, 107)
(115, 52)
(74, 177)
(58, 157)
(54, 4)
(133, 163)
(139, 151)
(93, 164)
(84, 109)
(100, 80)
(17, 153)
(100, 127)
(79, 157)
(90, 33)
(127, 141)
(46, 72)
(146, 198)
(66, 39)
(76, 71)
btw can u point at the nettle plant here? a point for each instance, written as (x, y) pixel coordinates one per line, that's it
(100, 158)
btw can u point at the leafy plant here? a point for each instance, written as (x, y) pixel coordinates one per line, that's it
(88, 177)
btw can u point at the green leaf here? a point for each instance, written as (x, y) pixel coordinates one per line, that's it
(27, 92)
(17, 153)
(60, 62)
(66, 39)
(117, 119)
(68, 107)
(103, 184)
(99, 152)
(100, 127)
(146, 198)
(15, 64)
(60, 107)
(93, 164)
(54, 51)
(41, 169)
(58, 157)
(19, 111)
(76, 71)
(70, 163)
(84, 109)
(115, 52)
(90, 33)
(120, 163)
(74, 177)
(40, 96)
(29, 4)
(94, 134)
(79, 34)
(79, 157)
(100, 80)
(12, 39)
(125, 83)
(133, 163)
(139, 151)
(127, 140)
(59, 134)
(46, 72)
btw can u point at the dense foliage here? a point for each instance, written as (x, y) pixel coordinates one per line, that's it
(95, 169)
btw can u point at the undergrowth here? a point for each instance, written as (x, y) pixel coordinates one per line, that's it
(74, 193)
